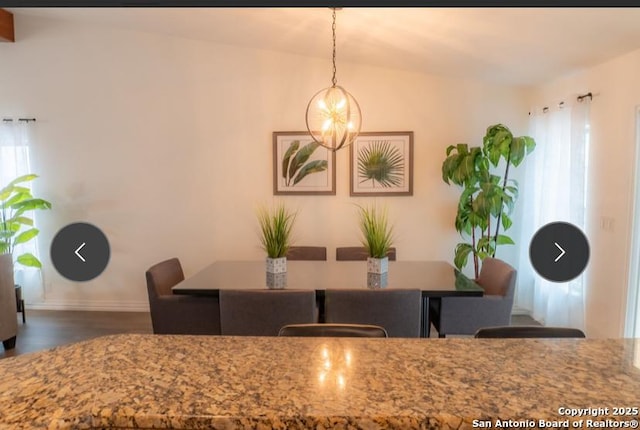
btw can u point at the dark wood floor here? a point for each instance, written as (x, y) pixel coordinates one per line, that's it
(48, 329)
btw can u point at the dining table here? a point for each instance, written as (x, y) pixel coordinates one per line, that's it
(435, 279)
(144, 381)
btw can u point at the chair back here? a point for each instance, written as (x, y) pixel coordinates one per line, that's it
(332, 330)
(310, 253)
(264, 312)
(178, 314)
(163, 276)
(359, 253)
(497, 278)
(397, 310)
(528, 332)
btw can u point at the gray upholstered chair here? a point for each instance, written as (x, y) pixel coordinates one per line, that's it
(8, 316)
(264, 312)
(398, 311)
(311, 253)
(358, 253)
(465, 315)
(332, 330)
(528, 331)
(178, 314)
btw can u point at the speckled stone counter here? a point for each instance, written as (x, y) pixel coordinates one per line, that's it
(202, 382)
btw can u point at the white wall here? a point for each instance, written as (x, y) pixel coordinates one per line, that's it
(165, 144)
(610, 183)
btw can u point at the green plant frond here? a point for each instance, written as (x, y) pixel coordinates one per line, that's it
(311, 167)
(381, 163)
(276, 226)
(461, 255)
(293, 147)
(301, 157)
(506, 222)
(505, 240)
(20, 220)
(16, 198)
(377, 233)
(449, 149)
(29, 260)
(10, 186)
(462, 148)
(26, 236)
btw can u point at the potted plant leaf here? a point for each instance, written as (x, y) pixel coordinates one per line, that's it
(377, 238)
(16, 228)
(276, 225)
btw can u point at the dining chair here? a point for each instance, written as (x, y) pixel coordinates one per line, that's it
(397, 310)
(264, 312)
(359, 253)
(174, 313)
(310, 253)
(515, 331)
(332, 330)
(465, 315)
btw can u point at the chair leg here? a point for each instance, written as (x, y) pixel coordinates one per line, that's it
(9, 343)
(24, 316)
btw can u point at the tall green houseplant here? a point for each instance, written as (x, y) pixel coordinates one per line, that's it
(488, 197)
(16, 227)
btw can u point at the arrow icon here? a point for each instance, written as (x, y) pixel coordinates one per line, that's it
(557, 258)
(84, 261)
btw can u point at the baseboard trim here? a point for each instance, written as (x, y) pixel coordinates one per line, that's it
(520, 311)
(78, 305)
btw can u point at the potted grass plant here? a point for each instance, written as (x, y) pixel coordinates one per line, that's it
(276, 225)
(377, 237)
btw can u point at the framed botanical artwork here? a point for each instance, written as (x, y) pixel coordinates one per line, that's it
(381, 164)
(301, 166)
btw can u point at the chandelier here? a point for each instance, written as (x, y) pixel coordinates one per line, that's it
(333, 115)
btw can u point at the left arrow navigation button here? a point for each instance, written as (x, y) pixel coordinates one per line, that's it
(80, 251)
(77, 252)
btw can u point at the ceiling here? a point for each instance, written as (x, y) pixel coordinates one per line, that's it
(524, 46)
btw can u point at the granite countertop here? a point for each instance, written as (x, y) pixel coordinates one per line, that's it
(203, 382)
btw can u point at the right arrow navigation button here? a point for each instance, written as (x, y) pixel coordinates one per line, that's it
(559, 251)
(559, 256)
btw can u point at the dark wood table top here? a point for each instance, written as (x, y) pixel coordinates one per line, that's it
(433, 278)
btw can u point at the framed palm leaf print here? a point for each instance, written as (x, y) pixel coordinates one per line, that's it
(381, 164)
(301, 166)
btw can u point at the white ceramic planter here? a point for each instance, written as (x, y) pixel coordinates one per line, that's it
(276, 276)
(377, 272)
(277, 265)
(378, 265)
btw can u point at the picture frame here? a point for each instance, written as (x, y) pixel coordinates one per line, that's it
(301, 166)
(368, 177)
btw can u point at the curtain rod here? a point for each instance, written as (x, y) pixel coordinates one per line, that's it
(19, 119)
(580, 98)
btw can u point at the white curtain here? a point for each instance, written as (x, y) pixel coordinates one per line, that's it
(15, 143)
(554, 189)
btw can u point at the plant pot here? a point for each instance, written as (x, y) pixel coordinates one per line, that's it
(277, 265)
(8, 321)
(377, 272)
(276, 272)
(377, 265)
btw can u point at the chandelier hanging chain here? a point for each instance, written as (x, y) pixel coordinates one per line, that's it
(333, 27)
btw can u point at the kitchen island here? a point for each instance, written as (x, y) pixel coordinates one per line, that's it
(217, 382)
